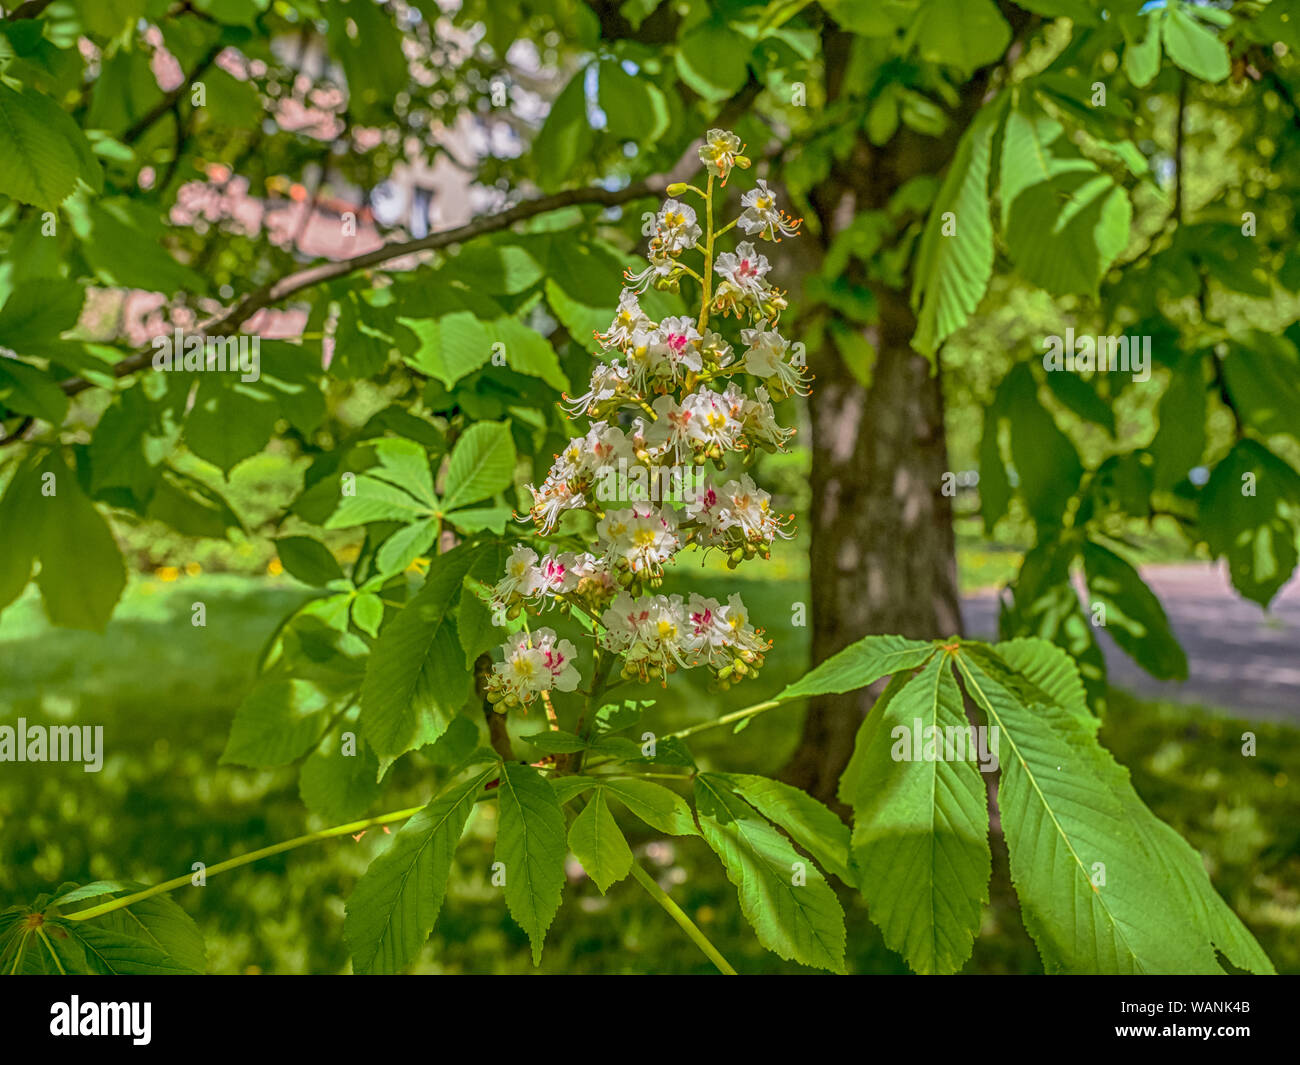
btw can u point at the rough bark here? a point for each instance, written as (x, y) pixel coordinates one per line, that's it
(883, 555)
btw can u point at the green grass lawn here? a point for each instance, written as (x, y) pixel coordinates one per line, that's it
(165, 693)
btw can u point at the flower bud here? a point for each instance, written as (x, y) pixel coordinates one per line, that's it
(743, 162)
(677, 188)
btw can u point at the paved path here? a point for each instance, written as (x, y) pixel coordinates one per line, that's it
(1239, 656)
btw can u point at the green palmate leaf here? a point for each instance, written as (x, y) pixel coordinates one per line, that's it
(1245, 516)
(1046, 604)
(405, 463)
(230, 422)
(110, 953)
(1053, 676)
(654, 804)
(339, 784)
(1027, 157)
(962, 33)
(1134, 617)
(955, 258)
(1260, 375)
(368, 613)
(598, 843)
(278, 722)
(416, 679)
(810, 823)
(406, 545)
(531, 849)
(634, 106)
(20, 518)
(566, 135)
(482, 464)
(37, 313)
(1053, 672)
(1045, 460)
(556, 742)
(1210, 915)
(82, 573)
(156, 923)
(26, 389)
(1193, 47)
(45, 151)
(784, 897)
(859, 665)
(1091, 896)
(1065, 232)
(568, 788)
(920, 821)
(712, 59)
(375, 500)
(394, 906)
(995, 483)
(308, 560)
(1180, 440)
(1142, 58)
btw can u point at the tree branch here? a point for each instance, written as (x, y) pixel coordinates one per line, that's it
(30, 9)
(249, 304)
(141, 125)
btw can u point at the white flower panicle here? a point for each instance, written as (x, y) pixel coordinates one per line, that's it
(669, 395)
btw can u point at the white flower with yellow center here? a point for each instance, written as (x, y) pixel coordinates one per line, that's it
(676, 228)
(762, 216)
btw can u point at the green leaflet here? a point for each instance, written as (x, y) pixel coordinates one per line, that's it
(1064, 233)
(1044, 457)
(82, 573)
(280, 720)
(1244, 514)
(963, 33)
(416, 679)
(920, 827)
(1134, 617)
(654, 804)
(859, 665)
(810, 823)
(784, 897)
(482, 464)
(1194, 47)
(1180, 440)
(531, 849)
(339, 786)
(598, 843)
(1066, 833)
(1027, 157)
(45, 150)
(394, 906)
(953, 270)
(308, 560)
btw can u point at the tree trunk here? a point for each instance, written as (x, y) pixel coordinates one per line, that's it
(883, 558)
(883, 554)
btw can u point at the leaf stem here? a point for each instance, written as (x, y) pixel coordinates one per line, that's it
(246, 859)
(684, 922)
